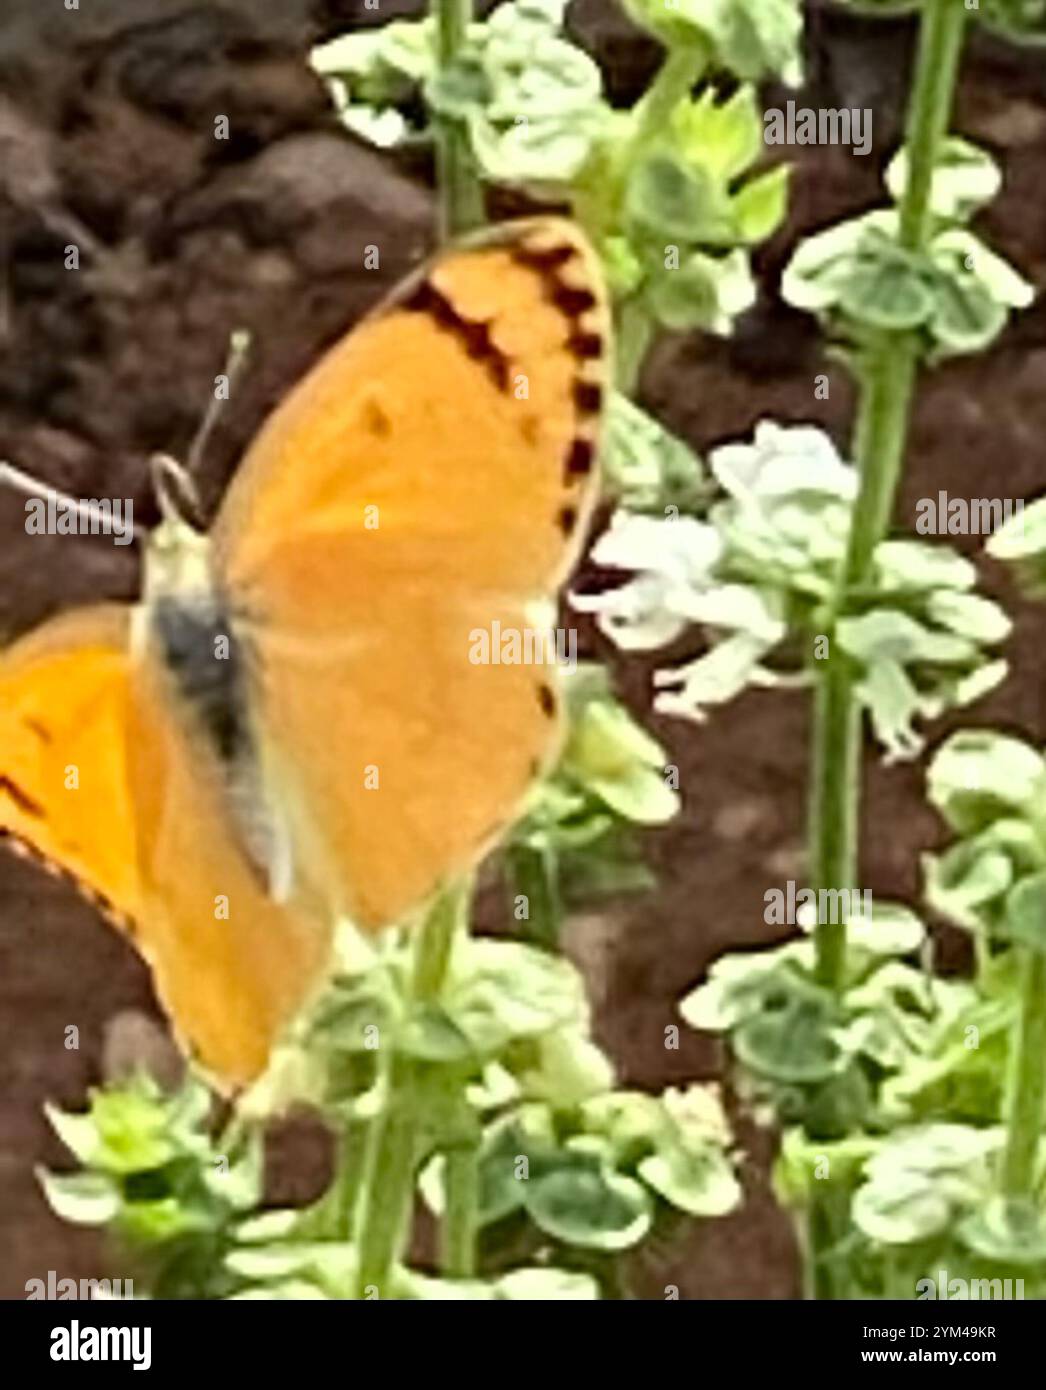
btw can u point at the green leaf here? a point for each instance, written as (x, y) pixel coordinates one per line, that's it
(385, 130)
(784, 464)
(887, 288)
(352, 1006)
(583, 1204)
(501, 990)
(631, 1123)
(893, 930)
(537, 152)
(915, 565)
(793, 1044)
(644, 466)
(460, 90)
(978, 776)
(83, 1199)
(728, 668)
(965, 178)
(405, 47)
(78, 1133)
(921, 1179)
(547, 1285)
(723, 137)
(328, 1266)
(707, 292)
(910, 1211)
(738, 987)
(521, 1285)
(966, 318)
(1022, 536)
(1026, 913)
(801, 1161)
(971, 615)
(269, 1227)
(164, 1219)
(609, 753)
(1006, 1233)
(431, 1035)
(966, 881)
(674, 202)
(1021, 21)
(501, 1192)
(134, 1129)
(284, 1290)
(752, 38)
(564, 1068)
(887, 634)
(760, 206)
(957, 252)
(821, 266)
(700, 1184)
(1021, 542)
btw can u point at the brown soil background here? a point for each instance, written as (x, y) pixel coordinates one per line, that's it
(106, 140)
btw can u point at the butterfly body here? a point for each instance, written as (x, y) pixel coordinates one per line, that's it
(289, 726)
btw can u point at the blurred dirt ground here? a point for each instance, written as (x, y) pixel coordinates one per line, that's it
(106, 140)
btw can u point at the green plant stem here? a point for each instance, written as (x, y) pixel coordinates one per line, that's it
(673, 83)
(460, 1225)
(387, 1187)
(833, 807)
(936, 75)
(887, 381)
(460, 193)
(532, 874)
(1026, 1091)
(887, 388)
(333, 1214)
(633, 334)
(828, 1225)
(675, 80)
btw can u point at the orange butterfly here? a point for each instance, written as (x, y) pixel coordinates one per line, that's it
(289, 727)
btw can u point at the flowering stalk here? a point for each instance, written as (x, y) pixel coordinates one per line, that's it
(886, 388)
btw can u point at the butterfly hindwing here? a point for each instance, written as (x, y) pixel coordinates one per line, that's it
(105, 779)
(232, 964)
(64, 798)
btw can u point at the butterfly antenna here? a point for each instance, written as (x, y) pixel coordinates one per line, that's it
(239, 343)
(36, 487)
(176, 493)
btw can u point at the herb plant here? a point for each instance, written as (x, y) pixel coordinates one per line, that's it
(460, 1073)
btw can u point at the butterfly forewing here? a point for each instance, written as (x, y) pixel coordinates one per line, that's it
(427, 482)
(449, 438)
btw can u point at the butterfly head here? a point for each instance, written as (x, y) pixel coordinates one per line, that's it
(178, 553)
